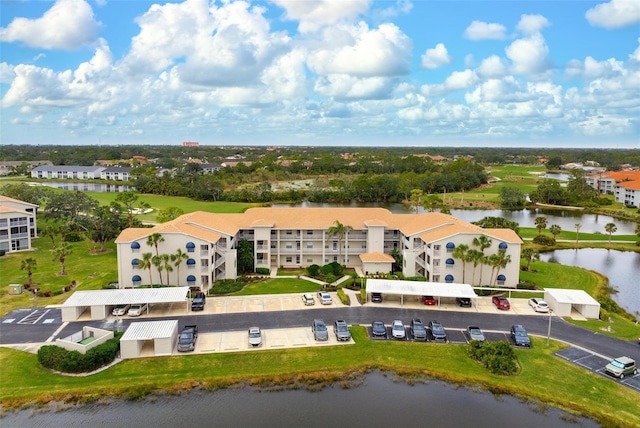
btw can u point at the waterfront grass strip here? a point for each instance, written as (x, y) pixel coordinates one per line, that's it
(542, 376)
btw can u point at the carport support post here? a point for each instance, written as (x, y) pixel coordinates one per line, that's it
(549, 328)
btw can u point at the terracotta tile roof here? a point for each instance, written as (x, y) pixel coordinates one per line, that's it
(211, 226)
(619, 176)
(376, 257)
(17, 201)
(631, 185)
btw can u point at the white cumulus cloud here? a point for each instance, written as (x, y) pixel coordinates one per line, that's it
(614, 14)
(68, 25)
(532, 24)
(479, 30)
(436, 57)
(529, 55)
(313, 15)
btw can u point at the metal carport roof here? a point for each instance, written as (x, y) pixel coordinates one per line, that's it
(127, 296)
(574, 297)
(148, 330)
(420, 288)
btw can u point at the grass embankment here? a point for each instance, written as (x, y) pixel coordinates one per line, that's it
(542, 377)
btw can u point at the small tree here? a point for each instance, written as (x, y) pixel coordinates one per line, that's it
(60, 254)
(146, 263)
(530, 254)
(541, 223)
(555, 230)
(29, 265)
(610, 228)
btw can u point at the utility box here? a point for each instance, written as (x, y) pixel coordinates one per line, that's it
(15, 288)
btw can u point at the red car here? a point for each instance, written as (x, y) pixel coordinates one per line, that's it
(501, 302)
(428, 300)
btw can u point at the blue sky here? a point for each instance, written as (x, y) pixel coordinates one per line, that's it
(324, 72)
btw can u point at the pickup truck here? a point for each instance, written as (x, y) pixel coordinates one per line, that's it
(187, 339)
(197, 304)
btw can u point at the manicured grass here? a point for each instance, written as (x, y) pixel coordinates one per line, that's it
(90, 271)
(613, 325)
(542, 376)
(532, 232)
(158, 202)
(555, 275)
(279, 286)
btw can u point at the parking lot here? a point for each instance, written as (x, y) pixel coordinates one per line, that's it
(596, 363)
(455, 336)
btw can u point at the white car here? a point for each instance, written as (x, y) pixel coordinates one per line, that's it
(397, 329)
(255, 336)
(538, 305)
(137, 310)
(120, 310)
(325, 298)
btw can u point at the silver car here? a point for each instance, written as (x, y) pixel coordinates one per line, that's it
(255, 336)
(475, 333)
(397, 330)
(319, 329)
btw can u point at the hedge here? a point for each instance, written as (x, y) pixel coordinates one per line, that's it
(56, 358)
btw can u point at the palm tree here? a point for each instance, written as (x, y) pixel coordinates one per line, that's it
(416, 199)
(555, 230)
(147, 264)
(177, 259)
(577, 225)
(541, 223)
(157, 262)
(610, 228)
(530, 254)
(153, 240)
(501, 261)
(339, 230)
(29, 265)
(460, 252)
(476, 257)
(166, 265)
(50, 230)
(483, 242)
(60, 253)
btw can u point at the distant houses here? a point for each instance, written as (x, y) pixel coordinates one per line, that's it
(67, 172)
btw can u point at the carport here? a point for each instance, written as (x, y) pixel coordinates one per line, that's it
(102, 302)
(161, 335)
(419, 288)
(563, 302)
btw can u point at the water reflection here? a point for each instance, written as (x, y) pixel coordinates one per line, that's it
(378, 402)
(621, 267)
(90, 187)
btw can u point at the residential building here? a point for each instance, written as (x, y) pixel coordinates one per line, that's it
(116, 173)
(17, 224)
(7, 167)
(299, 237)
(628, 193)
(67, 172)
(605, 182)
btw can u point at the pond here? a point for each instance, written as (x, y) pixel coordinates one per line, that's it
(566, 219)
(88, 187)
(621, 267)
(379, 401)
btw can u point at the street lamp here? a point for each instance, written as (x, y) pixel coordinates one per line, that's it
(549, 328)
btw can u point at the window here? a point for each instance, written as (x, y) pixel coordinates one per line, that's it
(309, 245)
(289, 259)
(501, 279)
(450, 247)
(309, 260)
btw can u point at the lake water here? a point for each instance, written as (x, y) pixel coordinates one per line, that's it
(566, 219)
(379, 401)
(621, 267)
(89, 187)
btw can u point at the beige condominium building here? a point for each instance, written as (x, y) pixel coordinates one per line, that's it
(17, 224)
(299, 237)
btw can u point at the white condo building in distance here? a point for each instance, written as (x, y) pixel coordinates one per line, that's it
(299, 237)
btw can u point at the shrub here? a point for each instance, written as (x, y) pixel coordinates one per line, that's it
(2, 253)
(498, 357)
(336, 268)
(313, 270)
(73, 237)
(343, 297)
(526, 285)
(263, 271)
(544, 240)
(56, 358)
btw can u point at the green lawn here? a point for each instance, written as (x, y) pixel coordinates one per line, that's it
(279, 286)
(542, 376)
(532, 232)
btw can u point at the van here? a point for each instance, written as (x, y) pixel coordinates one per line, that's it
(308, 300)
